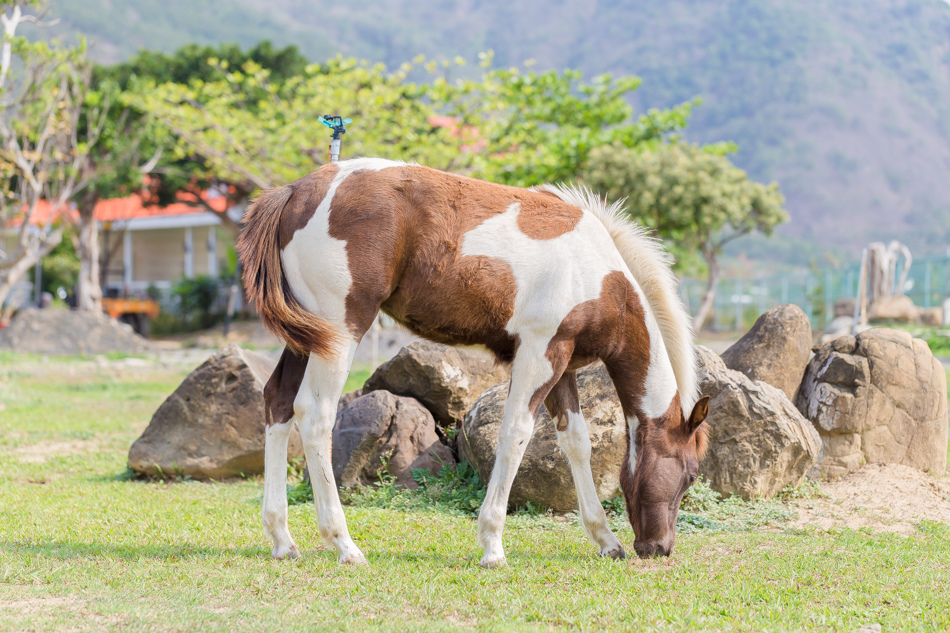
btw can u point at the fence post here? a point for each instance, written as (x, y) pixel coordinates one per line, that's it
(737, 302)
(927, 282)
(828, 306)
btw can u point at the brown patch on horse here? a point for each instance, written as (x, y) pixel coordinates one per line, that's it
(563, 399)
(542, 218)
(404, 229)
(309, 192)
(265, 284)
(282, 387)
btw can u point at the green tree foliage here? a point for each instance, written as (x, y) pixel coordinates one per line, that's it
(692, 197)
(43, 89)
(512, 126)
(536, 127)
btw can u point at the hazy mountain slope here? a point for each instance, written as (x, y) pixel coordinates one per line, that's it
(845, 102)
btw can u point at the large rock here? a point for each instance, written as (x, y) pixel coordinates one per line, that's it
(759, 442)
(545, 475)
(447, 380)
(775, 350)
(880, 397)
(212, 426)
(380, 428)
(58, 331)
(897, 308)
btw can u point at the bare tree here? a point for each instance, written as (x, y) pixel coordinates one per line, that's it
(42, 89)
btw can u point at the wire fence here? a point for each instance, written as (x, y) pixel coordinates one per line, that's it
(740, 300)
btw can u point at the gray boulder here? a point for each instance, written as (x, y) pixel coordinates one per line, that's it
(775, 350)
(880, 397)
(544, 477)
(212, 426)
(447, 380)
(57, 331)
(380, 427)
(759, 442)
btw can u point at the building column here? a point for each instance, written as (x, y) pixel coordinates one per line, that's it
(189, 253)
(126, 260)
(212, 252)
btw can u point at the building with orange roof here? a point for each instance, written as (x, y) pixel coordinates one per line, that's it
(143, 245)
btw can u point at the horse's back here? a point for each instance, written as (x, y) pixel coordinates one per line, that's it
(454, 259)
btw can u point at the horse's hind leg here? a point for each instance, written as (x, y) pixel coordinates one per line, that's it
(315, 408)
(533, 373)
(279, 394)
(572, 435)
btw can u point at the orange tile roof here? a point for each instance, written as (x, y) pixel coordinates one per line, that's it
(118, 209)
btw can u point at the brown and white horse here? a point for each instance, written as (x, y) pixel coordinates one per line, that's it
(548, 279)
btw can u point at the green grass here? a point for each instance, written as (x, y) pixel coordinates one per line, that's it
(83, 547)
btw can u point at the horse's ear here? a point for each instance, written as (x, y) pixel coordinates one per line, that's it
(700, 411)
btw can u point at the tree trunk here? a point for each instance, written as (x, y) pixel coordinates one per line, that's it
(13, 273)
(709, 295)
(88, 290)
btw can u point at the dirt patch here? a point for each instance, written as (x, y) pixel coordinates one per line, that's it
(41, 451)
(882, 497)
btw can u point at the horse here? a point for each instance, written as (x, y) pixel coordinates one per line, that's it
(549, 279)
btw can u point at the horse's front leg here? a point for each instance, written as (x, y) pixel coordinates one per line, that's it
(315, 408)
(573, 436)
(537, 366)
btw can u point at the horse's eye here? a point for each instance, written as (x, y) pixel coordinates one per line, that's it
(692, 479)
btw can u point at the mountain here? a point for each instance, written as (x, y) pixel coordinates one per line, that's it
(846, 103)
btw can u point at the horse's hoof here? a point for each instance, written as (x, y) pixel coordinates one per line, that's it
(493, 562)
(283, 553)
(616, 554)
(353, 559)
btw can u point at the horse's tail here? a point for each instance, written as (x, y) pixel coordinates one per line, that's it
(266, 285)
(650, 265)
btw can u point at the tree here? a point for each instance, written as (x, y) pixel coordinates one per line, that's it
(42, 91)
(517, 127)
(531, 128)
(131, 157)
(693, 197)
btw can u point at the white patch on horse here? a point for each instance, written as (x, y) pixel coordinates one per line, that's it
(327, 275)
(554, 276)
(632, 425)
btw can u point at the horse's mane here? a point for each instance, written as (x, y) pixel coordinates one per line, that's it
(650, 265)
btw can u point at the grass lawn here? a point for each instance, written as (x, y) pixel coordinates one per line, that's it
(84, 547)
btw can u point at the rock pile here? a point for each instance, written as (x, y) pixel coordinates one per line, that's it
(446, 380)
(382, 431)
(212, 426)
(775, 350)
(758, 441)
(56, 331)
(880, 397)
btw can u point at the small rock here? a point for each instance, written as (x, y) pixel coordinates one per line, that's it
(382, 427)
(775, 350)
(845, 307)
(544, 477)
(899, 309)
(880, 397)
(932, 317)
(212, 426)
(447, 380)
(759, 442)
(55, 331)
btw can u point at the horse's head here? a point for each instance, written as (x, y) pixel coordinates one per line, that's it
(666, 456)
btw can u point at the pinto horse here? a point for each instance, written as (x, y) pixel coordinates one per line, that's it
(548, 279)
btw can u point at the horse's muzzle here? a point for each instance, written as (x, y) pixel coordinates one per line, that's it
(652, 549)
